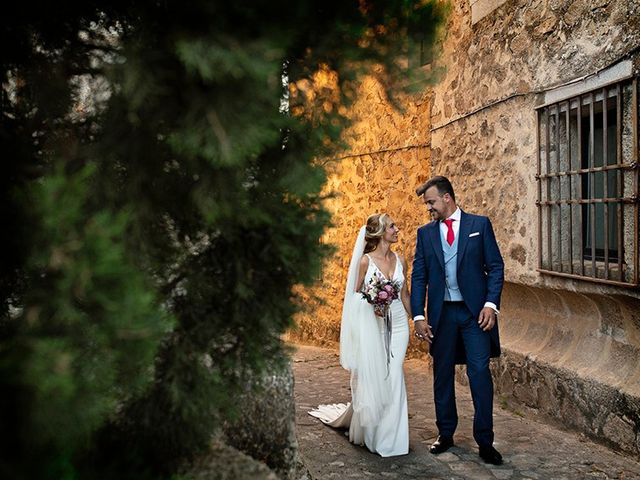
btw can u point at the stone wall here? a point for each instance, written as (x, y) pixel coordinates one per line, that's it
(484, 123)
(264, 428)
(223, 462)
(571, 347)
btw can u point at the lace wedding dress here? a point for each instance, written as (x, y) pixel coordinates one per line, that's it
(377, 415)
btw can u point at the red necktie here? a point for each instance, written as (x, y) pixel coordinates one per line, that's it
(449, 223)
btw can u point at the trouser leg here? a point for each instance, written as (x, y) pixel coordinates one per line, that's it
(443, 352)
(477, 345)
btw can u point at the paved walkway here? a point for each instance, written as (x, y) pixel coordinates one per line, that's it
(531, 450)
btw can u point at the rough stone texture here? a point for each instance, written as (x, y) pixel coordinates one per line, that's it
(560, 396)
(265, 427)
(223, 462)
(388, 158)
(483, 108)
(528, 45)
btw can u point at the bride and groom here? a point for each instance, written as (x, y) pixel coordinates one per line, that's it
(458, 270)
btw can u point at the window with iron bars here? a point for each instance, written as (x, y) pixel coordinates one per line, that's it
(588, 186)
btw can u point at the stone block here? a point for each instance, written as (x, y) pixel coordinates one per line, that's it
(223, 462)
(265, 426)
(576, 11)
(482, 8)
(592, 407)
(619, 431)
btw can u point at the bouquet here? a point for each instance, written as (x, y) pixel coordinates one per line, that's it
(380, 292)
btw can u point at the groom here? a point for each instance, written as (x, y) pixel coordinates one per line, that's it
(458, 265)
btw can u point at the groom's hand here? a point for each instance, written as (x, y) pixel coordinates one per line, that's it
(487, 318)
(423, 330)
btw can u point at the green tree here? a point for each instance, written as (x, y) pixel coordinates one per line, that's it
(161, 198)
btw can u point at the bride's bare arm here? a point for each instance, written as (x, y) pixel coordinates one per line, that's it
(362, 271)
(404, 293)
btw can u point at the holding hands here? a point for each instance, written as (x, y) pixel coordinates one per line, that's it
(423, 330)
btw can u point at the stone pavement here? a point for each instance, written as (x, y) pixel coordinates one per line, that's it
(531, 450)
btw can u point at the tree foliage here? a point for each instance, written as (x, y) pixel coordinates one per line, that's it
(160, 199)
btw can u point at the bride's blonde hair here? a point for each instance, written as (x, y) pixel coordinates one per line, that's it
(376, 225)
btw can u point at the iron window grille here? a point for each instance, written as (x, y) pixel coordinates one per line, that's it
(588, 185)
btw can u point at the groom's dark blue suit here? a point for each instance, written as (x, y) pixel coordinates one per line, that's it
(457, 336)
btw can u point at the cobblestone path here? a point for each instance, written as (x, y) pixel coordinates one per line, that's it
(531, 450)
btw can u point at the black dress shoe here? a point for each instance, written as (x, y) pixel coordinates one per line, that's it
(442, 444)
(490, 455)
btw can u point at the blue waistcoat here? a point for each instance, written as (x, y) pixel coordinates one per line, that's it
(450, 252)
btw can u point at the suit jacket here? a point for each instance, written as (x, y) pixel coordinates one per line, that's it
(480, 271)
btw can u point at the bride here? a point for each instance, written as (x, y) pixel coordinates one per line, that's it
(377, 414)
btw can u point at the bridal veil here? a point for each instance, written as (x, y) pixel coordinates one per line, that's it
(361, 347)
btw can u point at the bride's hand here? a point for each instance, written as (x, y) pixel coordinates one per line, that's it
(423, 330)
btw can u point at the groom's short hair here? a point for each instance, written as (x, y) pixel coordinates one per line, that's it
(441, 183)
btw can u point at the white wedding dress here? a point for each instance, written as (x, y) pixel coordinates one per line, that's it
(377, 416)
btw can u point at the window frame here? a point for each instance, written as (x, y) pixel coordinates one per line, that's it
(591, 267)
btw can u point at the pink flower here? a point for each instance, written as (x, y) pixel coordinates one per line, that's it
(383, 295)
(388, 288)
